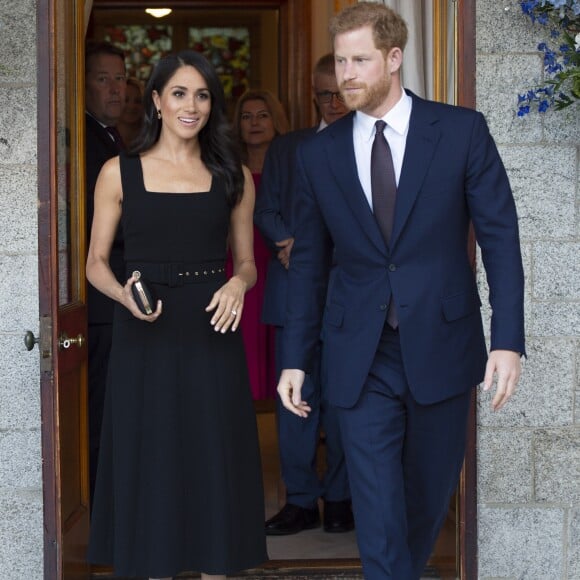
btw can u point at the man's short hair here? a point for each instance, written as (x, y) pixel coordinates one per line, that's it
(389, 29)
(94, 48)
(324, 65)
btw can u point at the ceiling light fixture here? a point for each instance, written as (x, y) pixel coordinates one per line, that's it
(158, 12)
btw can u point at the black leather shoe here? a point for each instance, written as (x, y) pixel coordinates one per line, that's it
(338, 516)
(292, 519)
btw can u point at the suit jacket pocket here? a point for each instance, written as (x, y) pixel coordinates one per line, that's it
(333, 315)
(460, 305)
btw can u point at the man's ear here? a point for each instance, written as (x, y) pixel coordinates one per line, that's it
(394, 59)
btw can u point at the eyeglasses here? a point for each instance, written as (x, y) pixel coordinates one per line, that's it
(325, 97)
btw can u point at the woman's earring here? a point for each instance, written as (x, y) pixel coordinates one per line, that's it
(159, 113)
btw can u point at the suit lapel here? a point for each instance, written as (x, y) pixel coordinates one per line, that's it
(102, 135)
(421, 144)
(342, 163)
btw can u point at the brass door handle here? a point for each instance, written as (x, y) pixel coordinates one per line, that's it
(65, 342)
(30, 340)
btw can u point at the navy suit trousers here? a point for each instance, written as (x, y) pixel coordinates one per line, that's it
(403, 461)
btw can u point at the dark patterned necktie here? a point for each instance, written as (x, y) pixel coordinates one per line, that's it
(384, 193)
(114, 133)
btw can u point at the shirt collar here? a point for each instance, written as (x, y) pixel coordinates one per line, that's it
(99, 122)
(397, 118)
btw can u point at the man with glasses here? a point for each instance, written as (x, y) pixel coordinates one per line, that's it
(299, 438)
(105, 85)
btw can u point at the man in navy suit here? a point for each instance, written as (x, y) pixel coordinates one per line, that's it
(105, 98)
(298, 439)
(402, 335)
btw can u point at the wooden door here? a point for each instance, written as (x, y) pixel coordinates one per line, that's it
(62, 289)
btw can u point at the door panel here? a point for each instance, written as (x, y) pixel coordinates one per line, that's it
(62, 289)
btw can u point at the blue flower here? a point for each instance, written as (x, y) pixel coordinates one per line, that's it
(524, 110)
(561, 55)
(543, 106)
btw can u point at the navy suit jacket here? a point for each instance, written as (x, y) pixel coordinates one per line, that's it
(273, 216)
(99, 149)
(452, 174)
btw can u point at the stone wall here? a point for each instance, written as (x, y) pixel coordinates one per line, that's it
(529, 453)
(21, 543)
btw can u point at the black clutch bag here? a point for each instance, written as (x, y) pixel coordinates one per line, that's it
(143, 294)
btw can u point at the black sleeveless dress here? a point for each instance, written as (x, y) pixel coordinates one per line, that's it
(179, 482)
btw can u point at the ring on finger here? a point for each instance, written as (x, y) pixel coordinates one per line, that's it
(234, 312)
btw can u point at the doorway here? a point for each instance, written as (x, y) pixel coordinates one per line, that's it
(62, 303)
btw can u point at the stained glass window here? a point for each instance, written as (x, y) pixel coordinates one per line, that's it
(144, 45)
(228, 49)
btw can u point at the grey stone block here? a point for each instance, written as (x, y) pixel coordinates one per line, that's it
(18, 125)
(20, 458)
(562, 126)
(520, 542)
(556, 270)
(543, 179)
(19, 289)
(557, 466)
(577, 383)
(554, 319)
(574, 543)
(21, 530)
(19, 387)
(504, 456)
(19, 225)
(499, 80)
(18, 42)
(502, 27)
(545, 394)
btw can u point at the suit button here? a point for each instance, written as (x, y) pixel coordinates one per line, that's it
(383, 306)
(392, 267)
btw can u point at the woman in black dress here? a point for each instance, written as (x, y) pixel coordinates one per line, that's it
(179, 484)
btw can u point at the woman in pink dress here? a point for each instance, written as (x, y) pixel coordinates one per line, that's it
(258, 118)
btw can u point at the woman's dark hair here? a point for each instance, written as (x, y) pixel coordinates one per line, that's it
(219, 151)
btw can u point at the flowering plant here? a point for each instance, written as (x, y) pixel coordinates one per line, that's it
(561, 53)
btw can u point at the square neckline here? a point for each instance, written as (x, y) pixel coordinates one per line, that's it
(142, 181)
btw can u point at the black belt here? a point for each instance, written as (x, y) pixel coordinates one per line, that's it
(178, 273)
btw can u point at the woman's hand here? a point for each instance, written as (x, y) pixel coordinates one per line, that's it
(127, 300)
(228, 303)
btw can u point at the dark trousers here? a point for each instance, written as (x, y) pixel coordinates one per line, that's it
(99, 344)
(404, 461)
(298, 441)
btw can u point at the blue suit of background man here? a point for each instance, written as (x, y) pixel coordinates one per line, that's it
(297, 438)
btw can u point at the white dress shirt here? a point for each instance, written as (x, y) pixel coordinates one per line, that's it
(397, 120)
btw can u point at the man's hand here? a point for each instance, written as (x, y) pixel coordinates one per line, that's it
(289, 387)
(507, 366)
(284, 252)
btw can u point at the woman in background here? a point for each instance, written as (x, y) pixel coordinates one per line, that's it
(131, 121)
(259, 117)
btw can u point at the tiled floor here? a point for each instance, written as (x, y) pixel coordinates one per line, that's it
(309, 544)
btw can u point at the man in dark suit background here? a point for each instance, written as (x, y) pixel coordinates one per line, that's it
(298, 439)
(104, 99)
(391, 189)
